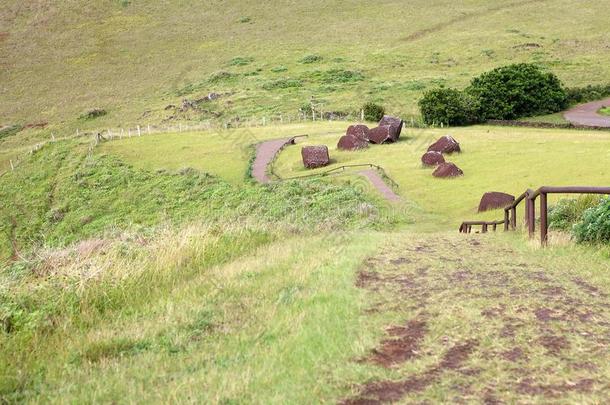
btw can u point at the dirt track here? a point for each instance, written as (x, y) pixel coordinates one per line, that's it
(380, 185)
(586, 114)
(265, 153)
(483, 323)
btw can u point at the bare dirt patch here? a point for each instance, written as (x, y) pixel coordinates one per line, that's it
(391, 391)
(403, 345)
(530, 313)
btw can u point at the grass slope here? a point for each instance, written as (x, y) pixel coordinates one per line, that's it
(134, 58)
(493, 159)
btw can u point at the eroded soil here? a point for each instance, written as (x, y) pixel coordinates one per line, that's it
(484, 323)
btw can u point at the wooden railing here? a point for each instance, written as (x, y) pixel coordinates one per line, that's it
(530, 196)
(342, 169)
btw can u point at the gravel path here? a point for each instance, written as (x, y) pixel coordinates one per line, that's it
(380, 185)
(265, 153)
(586, 114)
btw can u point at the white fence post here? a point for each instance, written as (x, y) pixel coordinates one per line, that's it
(129, 132)
(139, 132)
(12, 167)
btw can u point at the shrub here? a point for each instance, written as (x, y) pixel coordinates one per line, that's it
(449, 106)
(578, 95)
(570, 211)
(311, 59)
(278, 69)
(515, 91)
(595, 225)
(341, 76)
(282, 84)
(241, 61)
(10, 131)
(93, 113)
(221, 76)
(373, 112)
(306, 109)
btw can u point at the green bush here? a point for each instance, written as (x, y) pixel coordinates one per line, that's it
(448, 106)
(282, 84)
(93, 113)
(373, 112)
(221, 76)
(519, 90)
(311, 59)
(578, 95)
(595, 225)
(241, 61)
(340, 76)
(570, 211)
(10, 131)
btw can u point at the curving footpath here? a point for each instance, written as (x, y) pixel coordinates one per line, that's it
(268, 150)
(265, 153)
(587, 114)
(380, 185)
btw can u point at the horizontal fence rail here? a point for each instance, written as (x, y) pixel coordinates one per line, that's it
(530, 196)
(342, 169)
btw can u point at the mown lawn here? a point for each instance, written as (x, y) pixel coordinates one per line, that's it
(493, 159)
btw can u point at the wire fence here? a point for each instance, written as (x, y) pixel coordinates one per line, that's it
(131, 131)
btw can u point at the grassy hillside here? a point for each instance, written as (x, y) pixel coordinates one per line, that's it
(153, 269)
(134, 58)
(493, 159)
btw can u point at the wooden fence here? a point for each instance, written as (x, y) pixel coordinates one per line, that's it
(530, 197)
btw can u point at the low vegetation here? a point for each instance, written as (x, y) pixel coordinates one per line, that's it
(577, 95)
(155, 269)
(9, 131)
(595, 224)
(373, 112)
(505, 93)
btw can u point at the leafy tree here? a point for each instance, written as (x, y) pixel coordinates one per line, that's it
(518, 90)
(373, 112)
(448, 106)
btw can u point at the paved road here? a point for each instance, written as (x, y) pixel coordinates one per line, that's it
(586, 114)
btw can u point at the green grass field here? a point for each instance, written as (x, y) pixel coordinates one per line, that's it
(605, 111)
(153, 269)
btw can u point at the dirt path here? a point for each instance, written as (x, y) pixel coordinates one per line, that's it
(265, 153)
(483, 323)
(586, 114)
(380, 185)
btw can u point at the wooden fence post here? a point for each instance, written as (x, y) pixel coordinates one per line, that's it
(531, 217)
(544, 227)
(12, 167)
